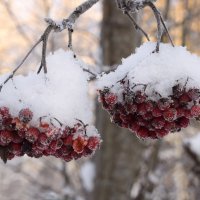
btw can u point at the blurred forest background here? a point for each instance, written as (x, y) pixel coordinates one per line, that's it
(125, 167)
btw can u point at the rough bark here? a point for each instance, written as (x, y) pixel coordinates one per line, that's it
(118, 160)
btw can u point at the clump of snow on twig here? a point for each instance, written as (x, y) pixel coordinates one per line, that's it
(159, 71)
(62, 93)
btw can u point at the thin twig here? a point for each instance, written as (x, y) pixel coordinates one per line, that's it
(137, 27)
(93, 77)
(45, 37)
(166, 30)
(22, 62)
(158, 18)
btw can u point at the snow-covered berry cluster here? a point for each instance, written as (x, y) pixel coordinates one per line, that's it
(19, 137)
(148, 118)
(153, 94)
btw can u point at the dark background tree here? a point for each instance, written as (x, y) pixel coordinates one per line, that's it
(119, 158)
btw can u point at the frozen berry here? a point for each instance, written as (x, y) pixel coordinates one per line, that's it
(25, 115)
(68, 140)
(158, 123)
(79, 143)
(163, 103)
(93, 143)
(142, 133)
(183, 122)
(111, 98)
(16, 149)
(195, 111)
(156, 112)
(161, 133)
(6, 137)
(140, 97)
(184, 99)
(32, 134)
(56, 144)
(170, 114)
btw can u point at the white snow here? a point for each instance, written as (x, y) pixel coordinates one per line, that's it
(194, 144)
(62, 93)
(87, 174)
(160, 71)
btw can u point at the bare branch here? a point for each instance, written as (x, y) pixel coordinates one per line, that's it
(132, 6)
(137, 27)
(43, 38)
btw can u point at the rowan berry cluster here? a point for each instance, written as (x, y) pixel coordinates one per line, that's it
(18, 137)
(149, 117)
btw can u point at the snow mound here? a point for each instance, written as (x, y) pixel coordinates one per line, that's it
(62, 93)
(159, 71)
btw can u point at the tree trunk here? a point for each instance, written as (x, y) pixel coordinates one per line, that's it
(118, 160)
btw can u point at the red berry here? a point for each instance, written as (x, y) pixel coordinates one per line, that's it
(180, 112)
(79, 143)
(68, 158)
(163, 104)
(56, 144)
(4, 112)
(161, 133)
(21, 134)
(25, 115)
(170, 126)
(152, 135)
(16, 149)
(142, 132)
(16, 138)
(49, 152)
(40, 146)
(68, 140)
(75, 155)
(149, 106)
(87, 152)
(6, 137)
(66, 150)
(134, 127)
(141, 121)
(131, 108)
(170, 114)
(93, 143)
(54, 133)
(147, 116)
(158, 123)
(184, 99)
(183, 122)
(32, 134)
(44, 127)
(142, 109)
(156, 112)
(140, 97)
(195, 111)
(43, 139)
(188, 113)
(110, 98)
